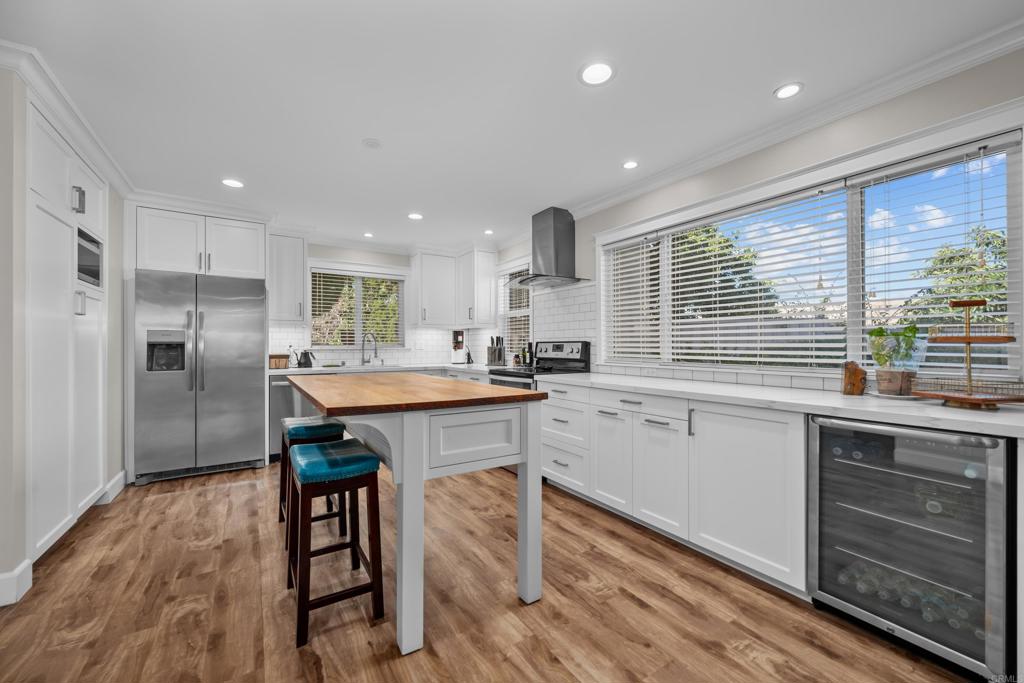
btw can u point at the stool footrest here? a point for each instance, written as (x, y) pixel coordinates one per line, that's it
(326, 515)
(332, 598)
(332, 548)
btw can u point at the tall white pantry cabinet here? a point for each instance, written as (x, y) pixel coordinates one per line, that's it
(65, 337)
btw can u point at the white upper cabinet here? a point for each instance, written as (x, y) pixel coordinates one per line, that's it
(235, 248)
(661, 449)
(611, 469)
(286, 278)
(50, 164)
(475, 289)
(88, 200)
(190, 243)
(431, 290)
(171, 240)
(748, 488)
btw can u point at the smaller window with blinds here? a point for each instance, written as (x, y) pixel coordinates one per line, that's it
(347, 305)
(514, 312)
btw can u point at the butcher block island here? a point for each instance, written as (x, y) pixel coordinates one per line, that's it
(427, 427)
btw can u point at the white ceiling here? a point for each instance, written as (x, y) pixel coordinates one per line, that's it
(477, 103)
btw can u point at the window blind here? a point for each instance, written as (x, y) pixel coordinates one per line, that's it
(632, 290)
(947, 227)
(515, 313)
(344, 306)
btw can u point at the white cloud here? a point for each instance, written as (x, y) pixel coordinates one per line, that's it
(835, 216)
(983, 166)
(939, 172)
(880, 219)
(933, 216)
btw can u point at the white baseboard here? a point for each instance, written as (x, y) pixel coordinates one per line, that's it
(112, 489)
(15, 583)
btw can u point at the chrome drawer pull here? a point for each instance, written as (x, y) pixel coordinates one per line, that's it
(560, 463)
(558, 419)
(632, 403)
(660, 423)
(558, 391)
(607, 412)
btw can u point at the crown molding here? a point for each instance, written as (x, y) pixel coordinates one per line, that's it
(37, 75)
(959, 58)
(321, 238)
(160, 200)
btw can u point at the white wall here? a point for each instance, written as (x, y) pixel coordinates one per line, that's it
(983, 86)
(12, 321)
(351, 255)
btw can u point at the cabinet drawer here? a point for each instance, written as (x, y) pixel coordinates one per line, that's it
(565, 422)
(565, 467)
(457, 438)
(565, 392)
(641, 403)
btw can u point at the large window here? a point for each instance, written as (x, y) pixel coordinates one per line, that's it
(345, 306)
(514, 312)
(799, 281)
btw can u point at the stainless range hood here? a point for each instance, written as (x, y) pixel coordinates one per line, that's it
(554, 250)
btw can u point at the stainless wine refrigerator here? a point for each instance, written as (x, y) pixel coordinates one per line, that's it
(910, 531)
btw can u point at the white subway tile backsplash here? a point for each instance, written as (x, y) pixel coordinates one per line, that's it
(778, 381)
(704, 375)
(749, 378)
(808, 382)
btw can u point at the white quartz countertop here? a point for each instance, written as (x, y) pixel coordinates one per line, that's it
(344, 369)
(1008, 421)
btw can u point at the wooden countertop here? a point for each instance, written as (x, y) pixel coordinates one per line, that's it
(396, 392)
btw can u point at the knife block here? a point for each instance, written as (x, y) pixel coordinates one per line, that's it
(496, 355)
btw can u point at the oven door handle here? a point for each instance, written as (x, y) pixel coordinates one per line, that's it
(891, 430)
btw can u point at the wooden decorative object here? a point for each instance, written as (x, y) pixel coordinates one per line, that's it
(969, 393)
(855, 379)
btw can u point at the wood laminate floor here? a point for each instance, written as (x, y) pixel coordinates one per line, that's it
(185, 581)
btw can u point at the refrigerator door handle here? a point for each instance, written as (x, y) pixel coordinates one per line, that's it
(190, 333)
(201, 352)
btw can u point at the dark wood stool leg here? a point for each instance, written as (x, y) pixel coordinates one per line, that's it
(353, 520)
(342, 523)
(283, 489)
(292, 531)
(330, 503)
(373, 512)
(302, 593)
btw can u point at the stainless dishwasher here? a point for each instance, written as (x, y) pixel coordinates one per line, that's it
(909, 530)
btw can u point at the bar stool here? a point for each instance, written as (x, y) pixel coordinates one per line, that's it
(306, 430)
(324, 469)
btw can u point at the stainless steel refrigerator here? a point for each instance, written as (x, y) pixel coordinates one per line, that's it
(200, 371)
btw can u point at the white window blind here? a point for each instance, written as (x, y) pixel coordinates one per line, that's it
(941, 228)
(344, 306)
(514, 312)
(798, 281)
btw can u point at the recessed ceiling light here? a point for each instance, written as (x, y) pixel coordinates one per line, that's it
(784, 92)
(630, 165)
(488, 232)
(233, 182)
(596, 74)
(367, 234)
(371, 143)
(415, 216)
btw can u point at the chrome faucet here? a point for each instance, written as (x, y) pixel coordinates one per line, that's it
(363, 359)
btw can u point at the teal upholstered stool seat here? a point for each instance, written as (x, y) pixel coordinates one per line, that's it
(316, 427)
(331, 461)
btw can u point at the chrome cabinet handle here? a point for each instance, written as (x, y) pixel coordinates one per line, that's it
(558, 419)
(560, 463)
(607, 412)
(79, 205)
(632, 403)
(660, 423)
(280, 384)
(424, 313)
(689, 422)
(207, 262)
(470, 312)
(300, 309)
(201, 352)
(558, 391)
(474, 379)
(200, 266)
(80, 302)
(189, 350)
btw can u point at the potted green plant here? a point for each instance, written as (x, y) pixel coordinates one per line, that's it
(893, 352)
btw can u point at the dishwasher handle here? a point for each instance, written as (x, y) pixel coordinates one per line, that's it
(968, 440)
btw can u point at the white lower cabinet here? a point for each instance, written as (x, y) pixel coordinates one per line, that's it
(611, 455)
(661, 452)
(748, 488)
(566, 465)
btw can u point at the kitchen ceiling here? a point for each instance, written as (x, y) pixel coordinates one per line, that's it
(477, 106)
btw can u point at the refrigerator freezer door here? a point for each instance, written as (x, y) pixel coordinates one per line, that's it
(165, 414)
(230, 370)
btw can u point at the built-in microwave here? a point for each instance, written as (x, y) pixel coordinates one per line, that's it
(90, 259)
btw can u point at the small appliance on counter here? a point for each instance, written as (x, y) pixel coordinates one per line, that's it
(305, 359)
(459, 351)
(549, 358)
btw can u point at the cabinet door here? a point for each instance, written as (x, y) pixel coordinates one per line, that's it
(87, 457)
(437, 290)
(465, 289)
(748, 488)
(49, 164)
(286, 278)
(49, 272)
(87, 195)
(611, 476)
(660, 472)
(486, 288)
(235, 248)
(170, 240)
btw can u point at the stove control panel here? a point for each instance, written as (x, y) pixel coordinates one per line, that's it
(573, 350)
